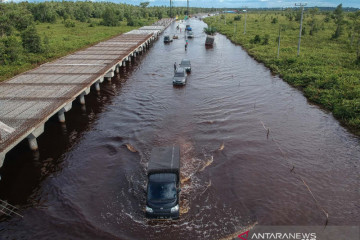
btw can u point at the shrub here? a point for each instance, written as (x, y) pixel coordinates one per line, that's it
(266, 39)
(237, 18)
(210, 30)
(303, 31)
(110, 18)
(256, 39)
(10, 50)
(274, 21)
(69, 23)
(6, 28)
(31, 40)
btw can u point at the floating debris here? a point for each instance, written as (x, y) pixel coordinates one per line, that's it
(8, 209)
(208, 162)
(130, 147)
(222, 146)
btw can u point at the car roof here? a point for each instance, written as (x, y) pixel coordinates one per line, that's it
(180, 70)
(162, 177)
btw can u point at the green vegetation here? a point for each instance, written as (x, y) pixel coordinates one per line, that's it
(328, 68)
(210, 30)
(34, 33)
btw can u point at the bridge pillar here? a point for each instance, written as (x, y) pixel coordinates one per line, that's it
(32, 137)
(61, 113)
(82, 95)
(2, 158)
(97, 86)
(109, 75)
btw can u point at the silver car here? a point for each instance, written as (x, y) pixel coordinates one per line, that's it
(190, 34)
(179, 77)
(185, 63)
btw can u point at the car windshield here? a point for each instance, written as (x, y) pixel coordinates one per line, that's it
(161, 191)
(179, 74)
(185, 63)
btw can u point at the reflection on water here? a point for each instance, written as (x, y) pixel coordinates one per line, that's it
(238, 128)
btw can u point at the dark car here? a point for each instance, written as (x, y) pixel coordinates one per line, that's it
(190, 34)
(167, 39)
(185, 63)
(180, 76)
(162, 198)
(209, 40)
(163, 187)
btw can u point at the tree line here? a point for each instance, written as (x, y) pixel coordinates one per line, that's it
(18, 21)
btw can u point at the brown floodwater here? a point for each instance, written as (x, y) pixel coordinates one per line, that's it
(84, 183)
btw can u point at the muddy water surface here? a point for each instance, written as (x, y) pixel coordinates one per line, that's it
(241, 131)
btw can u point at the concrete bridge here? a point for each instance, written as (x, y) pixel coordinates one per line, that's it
(28, 100)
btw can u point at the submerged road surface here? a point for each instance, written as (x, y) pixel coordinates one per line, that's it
(249, 143)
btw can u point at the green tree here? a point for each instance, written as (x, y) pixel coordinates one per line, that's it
(159, 14)
(5, 26)
(31, 40)
(10, 50)
(339, 21)
(44, 12)
(144, 4)
(313, 22)
(110, 18)
(355, 17)
(21, 18)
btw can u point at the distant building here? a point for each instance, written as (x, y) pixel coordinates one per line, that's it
(231, 11)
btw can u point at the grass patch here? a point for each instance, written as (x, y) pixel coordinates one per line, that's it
(326, 71)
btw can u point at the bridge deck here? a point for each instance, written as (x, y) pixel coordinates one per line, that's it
(28, 100)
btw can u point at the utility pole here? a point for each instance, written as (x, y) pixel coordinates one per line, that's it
(245, 21)
(188, 13)
(170, 10)
(302, 13)
(278, 51)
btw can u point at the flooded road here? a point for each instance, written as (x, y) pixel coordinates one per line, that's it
(250, 146)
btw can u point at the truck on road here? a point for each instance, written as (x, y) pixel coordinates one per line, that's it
(163, 187)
